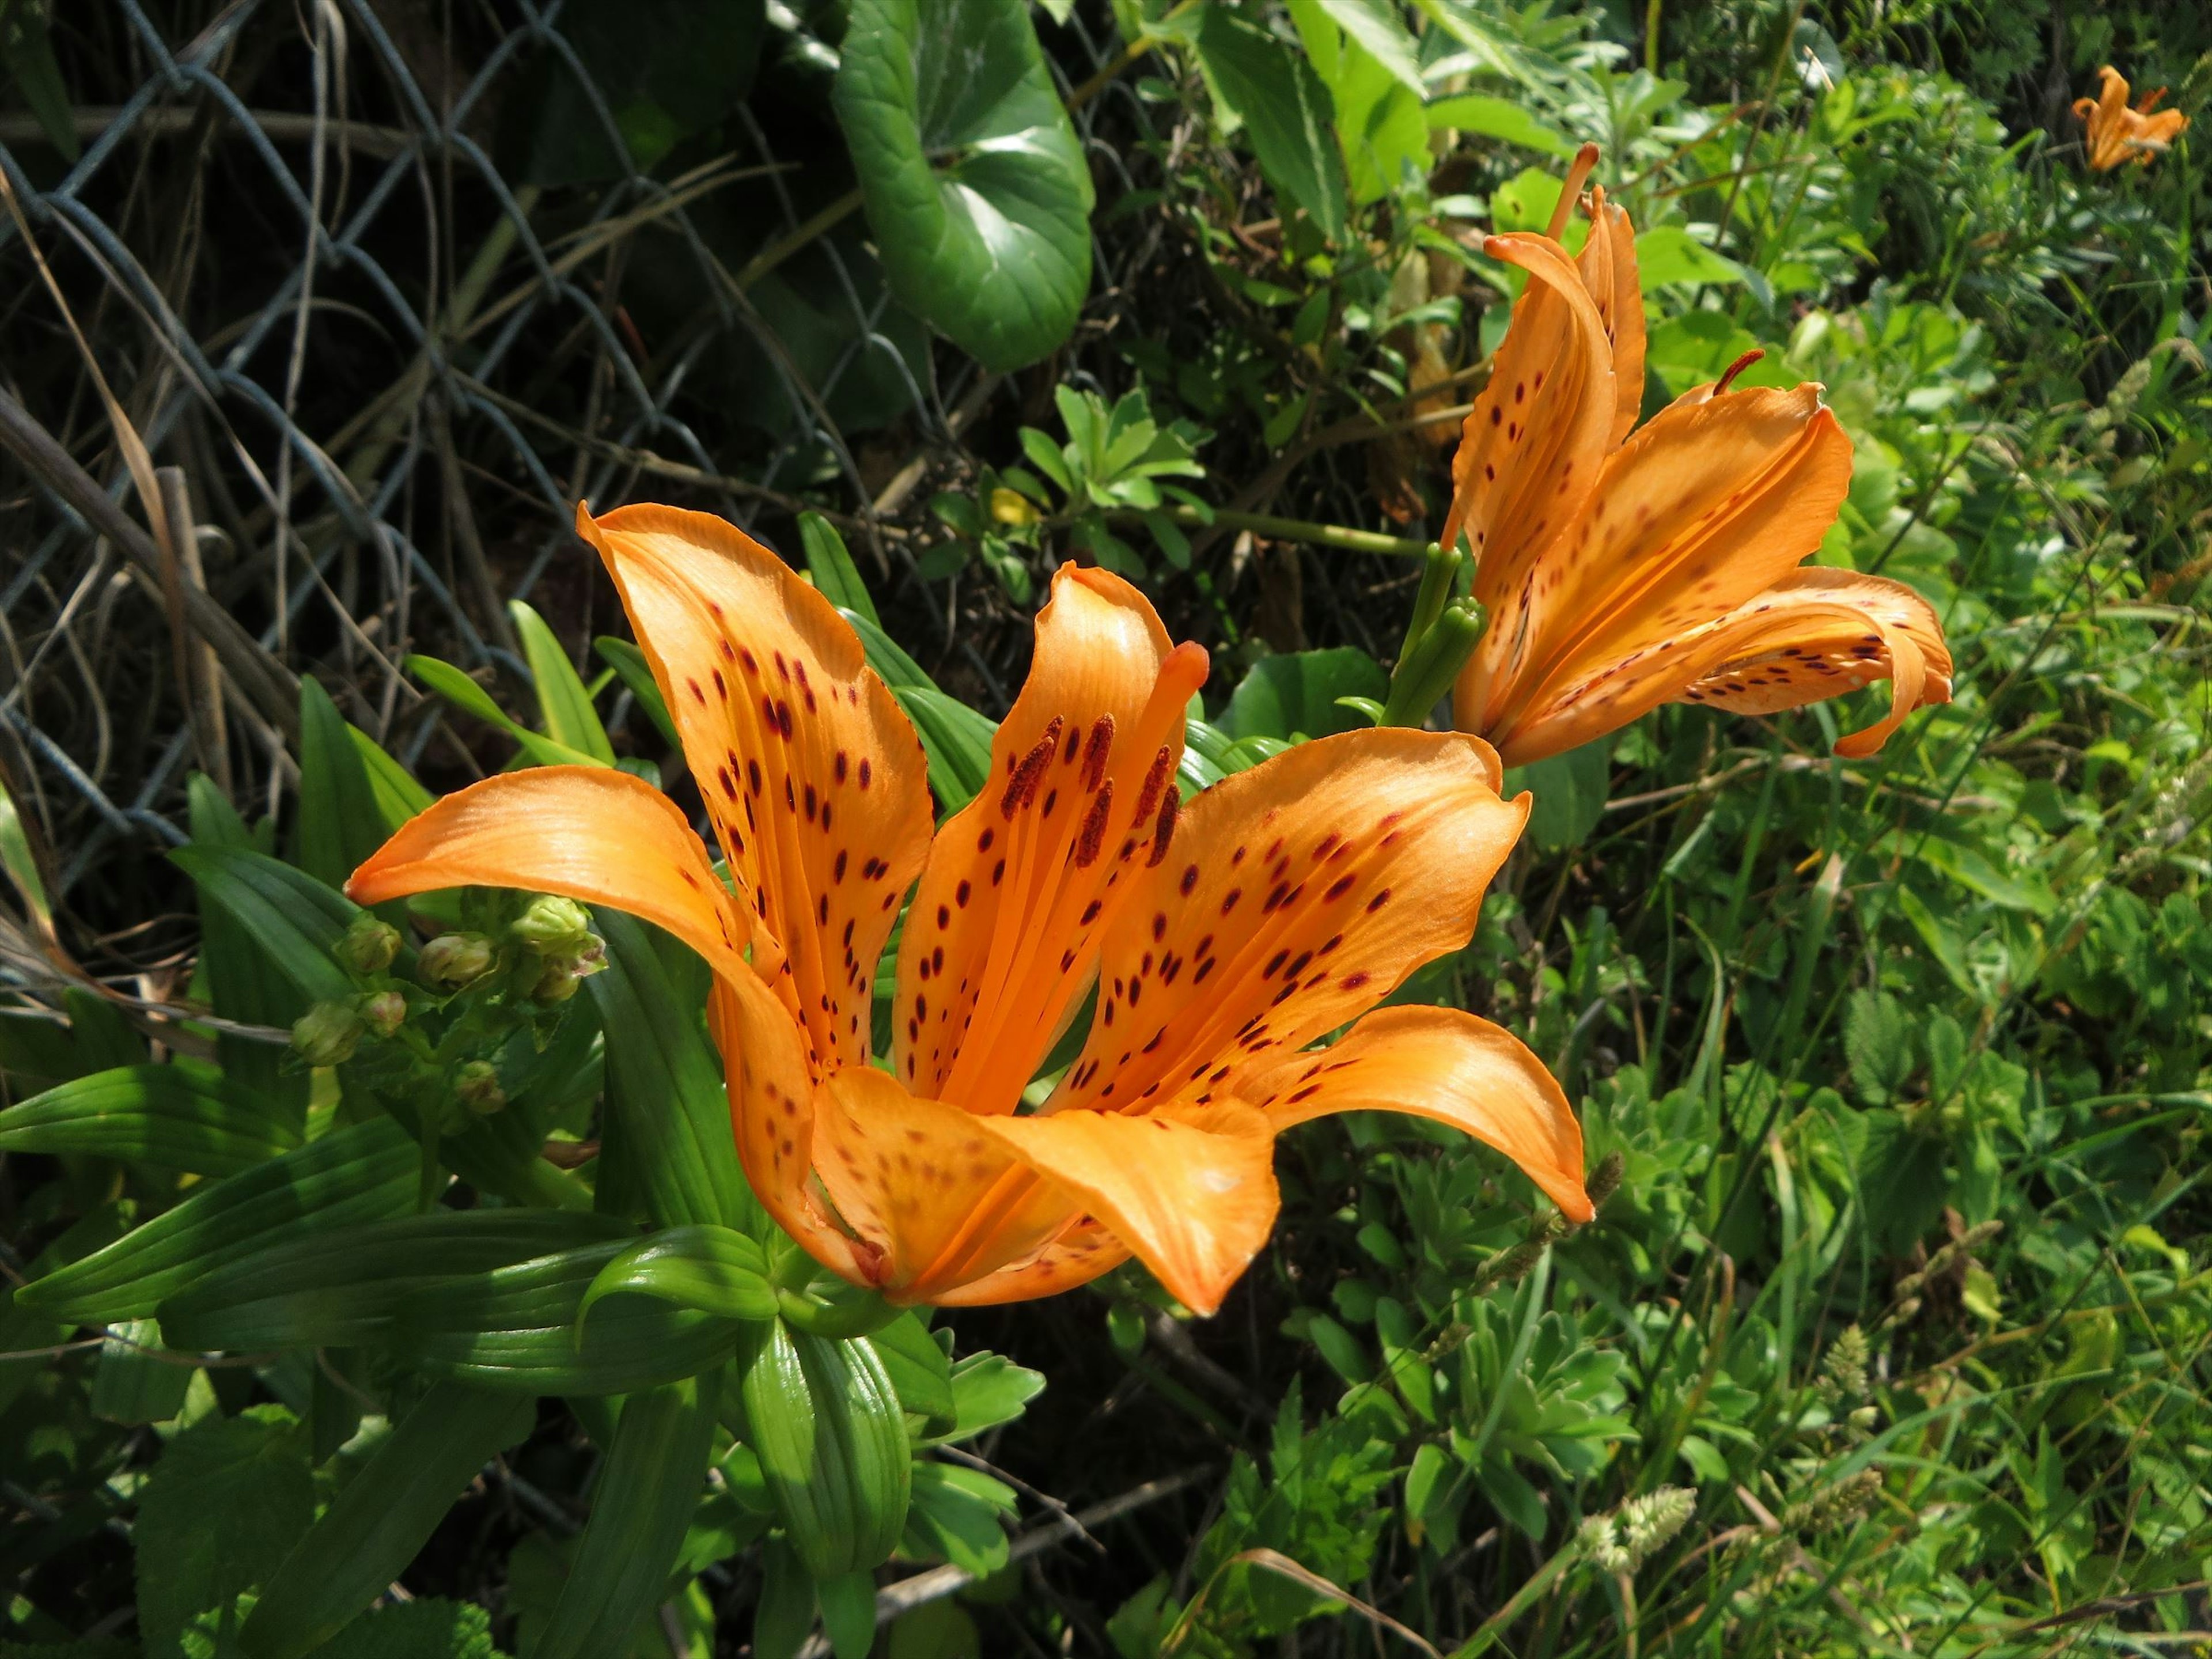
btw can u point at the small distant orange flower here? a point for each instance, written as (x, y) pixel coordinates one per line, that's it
(2117, 134)
(1222, 937)
(1619, 571)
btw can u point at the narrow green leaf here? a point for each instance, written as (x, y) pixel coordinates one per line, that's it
(381, 1517)
(848, 1613)
(16, 860)
(344, 1287)
(465, 694)
(170, 1116)
(893, 667)
(709, 1268)
(835, 576)
(292, 920)
(637, 674)
(241, 982)
(956, 738)
(646, 1491)
(668, 1116)
(515, 1328)
(785, 1615)
(563, 704)
(399, 796)
(351, 1175)
(340, 822)
(139, 1380)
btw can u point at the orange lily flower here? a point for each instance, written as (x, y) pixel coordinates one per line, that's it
(2117, 134)
(1619, 571)
(1222, 937)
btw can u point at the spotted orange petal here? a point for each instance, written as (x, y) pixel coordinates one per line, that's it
(1711, 504)
(585, 832)
(1531, 448)
(1002, 937)
(1296, 896)
(1816, 634)
(1451, 1066)
(1085, 1252)
(938, 1199)
(1607, 264)
(1190, 1189)
(816, 782)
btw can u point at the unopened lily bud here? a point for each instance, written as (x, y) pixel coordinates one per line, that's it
(553, 924)
(383, 1012)
(369, 946)
(456, 958)
(327, 1034)
(564, 972)
(476, 1085)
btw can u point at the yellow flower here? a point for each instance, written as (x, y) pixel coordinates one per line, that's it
(1622, 572)
(1012, 508)
(2117, 134)
(1222, 938)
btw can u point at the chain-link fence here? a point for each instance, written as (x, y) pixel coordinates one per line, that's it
(376, 369)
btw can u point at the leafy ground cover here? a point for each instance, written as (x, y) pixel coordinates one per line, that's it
(1890, 1333)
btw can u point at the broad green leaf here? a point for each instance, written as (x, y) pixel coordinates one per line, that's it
(465, 694)
(637, 674)
(643, 1499)
(830, 563)
(920, 1372)
(227, 1500)
(172, 1116)
(428, 1627)
(668, 1115)
(291, 919)
(712, 1269)
(989, 1389)
(1669, 257)
(956, 738)
(1286, 112)
(344, 1287)
(825, 1420)
(1377, 27)
(340, 823)
(1295, 695)
(351, 1175)
(1570, 791)
(381, 1518)
(138, 1380)
(515, 1328)
(563, 704)
(1497, 117)
(973, 181)
(956, 1514)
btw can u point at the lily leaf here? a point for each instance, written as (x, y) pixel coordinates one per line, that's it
(973, 178)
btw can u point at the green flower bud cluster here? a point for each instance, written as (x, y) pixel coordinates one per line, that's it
(561, 949)
(327, 1034)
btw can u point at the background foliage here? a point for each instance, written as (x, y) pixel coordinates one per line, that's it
(1904, 1061)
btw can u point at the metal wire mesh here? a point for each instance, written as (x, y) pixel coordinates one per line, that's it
(349, 524)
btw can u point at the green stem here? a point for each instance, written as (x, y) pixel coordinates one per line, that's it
(777, 252)
(1293, 529)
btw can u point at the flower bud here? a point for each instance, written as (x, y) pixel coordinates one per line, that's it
(369, 946)
(476, 1085)
(384, 1011)
(327, 1034)
(455, 958)
(553, 924)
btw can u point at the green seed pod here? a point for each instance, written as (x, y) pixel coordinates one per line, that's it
(327, 1034)
(369, 945)
(456, 958)
(826, 1425)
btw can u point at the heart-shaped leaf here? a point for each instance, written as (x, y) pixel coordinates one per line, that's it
(973, 178)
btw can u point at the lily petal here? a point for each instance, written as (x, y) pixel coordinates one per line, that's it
(1451, 1066)
(770, 1072)
(1083, 1254)
(1190, 1189)
(940, 1200)
(817, 783)
(585, 832)
(1815, 634)
(1531, 450)
(1607, 264)
(1296, 896)
(1002, 937)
